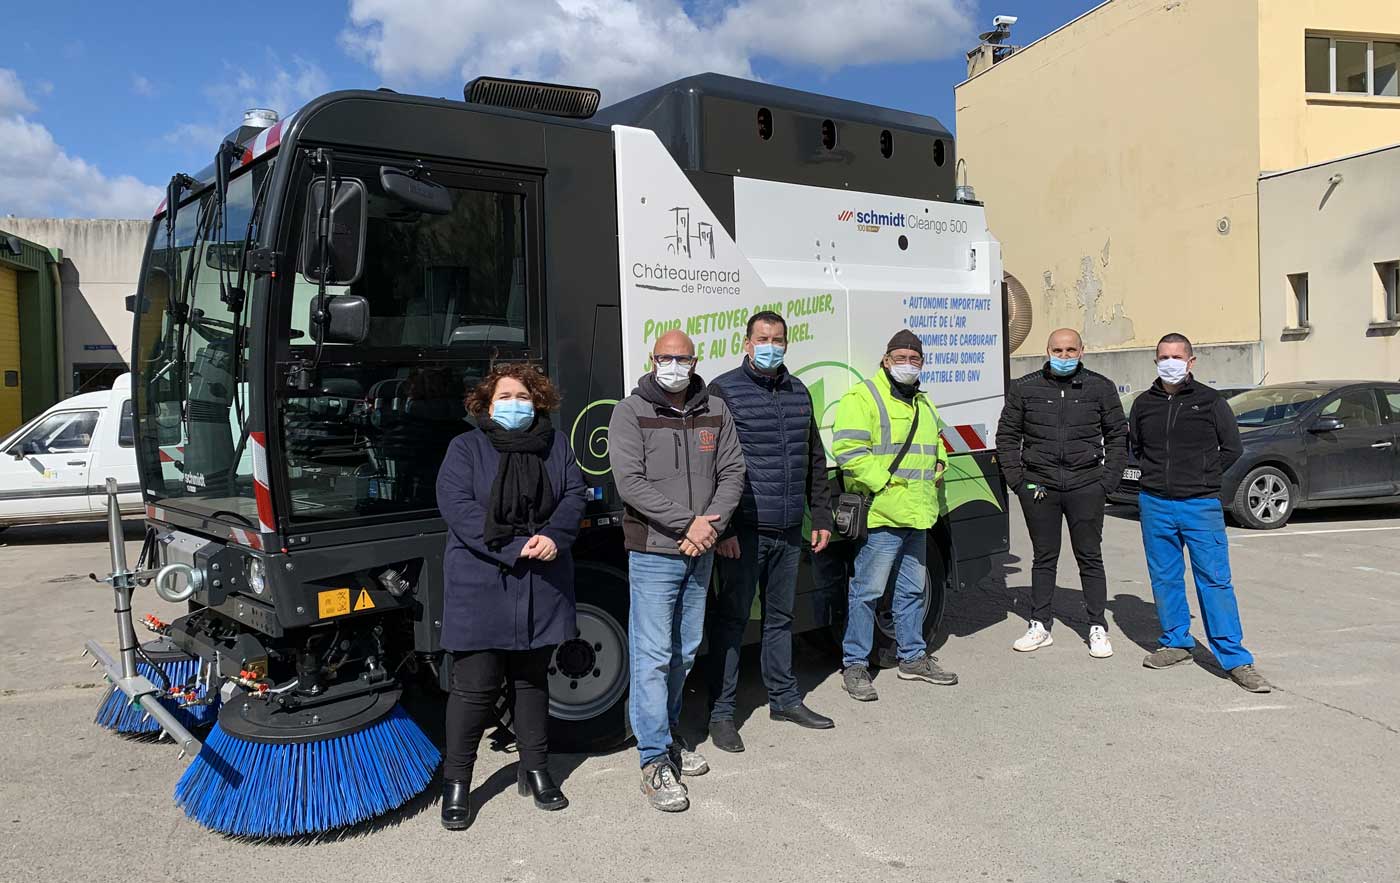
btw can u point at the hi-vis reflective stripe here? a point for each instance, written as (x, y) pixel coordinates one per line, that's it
(884, 414)
(965, 438)
(916, 474)
(245, 538)
(850, 435)
(261, 491)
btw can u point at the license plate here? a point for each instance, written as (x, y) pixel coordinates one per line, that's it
(1131, 474)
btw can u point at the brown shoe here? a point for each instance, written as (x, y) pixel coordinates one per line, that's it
(661, 784)
(1166, 657)
(1249, 679)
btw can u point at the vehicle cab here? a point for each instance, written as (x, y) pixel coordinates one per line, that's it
(55, 467)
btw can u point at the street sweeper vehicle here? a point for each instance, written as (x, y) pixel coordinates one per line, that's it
(314, 306)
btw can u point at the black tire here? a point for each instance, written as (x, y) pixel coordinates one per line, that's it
(598, 720)
(1265, 499)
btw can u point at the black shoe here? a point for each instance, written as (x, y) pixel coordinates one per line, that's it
(725, 736)
(541, 784)
(456, 805)
(802, 716)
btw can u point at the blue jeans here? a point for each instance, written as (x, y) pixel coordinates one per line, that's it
(903, 552)
(767, 562)
(1199, 525)
(664, 628)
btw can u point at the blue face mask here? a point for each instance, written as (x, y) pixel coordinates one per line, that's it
(1063, 367)
(513, 414)
(768, 356)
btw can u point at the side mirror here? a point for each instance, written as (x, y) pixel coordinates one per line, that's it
(425, 196)
(345, 238)
(339, 318)
(1326, 424)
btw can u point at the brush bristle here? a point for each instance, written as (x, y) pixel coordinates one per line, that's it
(117, 713)
(254, 789)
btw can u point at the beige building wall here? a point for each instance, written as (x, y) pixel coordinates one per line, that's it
(1336, 233)
(1111, 156)
(101, 266)
(1299, 129)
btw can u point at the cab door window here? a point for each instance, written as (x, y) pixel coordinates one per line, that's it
(448, 294)
(65, 432)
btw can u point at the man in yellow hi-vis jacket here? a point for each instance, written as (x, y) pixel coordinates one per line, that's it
(873, 421)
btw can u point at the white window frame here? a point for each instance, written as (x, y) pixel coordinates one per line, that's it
(1332, 40)
(1389, 273)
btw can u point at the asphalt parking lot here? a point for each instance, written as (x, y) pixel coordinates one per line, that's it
(1043, 766)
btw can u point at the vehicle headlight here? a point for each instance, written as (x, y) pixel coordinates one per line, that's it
(257, 576)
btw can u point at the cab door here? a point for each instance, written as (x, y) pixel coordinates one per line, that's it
(44, 471)
(114, 456)
(1355, 460)
(1390, 411)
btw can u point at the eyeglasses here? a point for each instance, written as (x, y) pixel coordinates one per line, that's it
(916, 361)
(667, 358)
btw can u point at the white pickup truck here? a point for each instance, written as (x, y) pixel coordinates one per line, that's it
(55, 467)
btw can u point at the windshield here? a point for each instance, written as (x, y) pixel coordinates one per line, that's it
(191, 345)
(1272, 405)
(448, 295)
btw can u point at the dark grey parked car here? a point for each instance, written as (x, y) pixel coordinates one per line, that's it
(1307, 444)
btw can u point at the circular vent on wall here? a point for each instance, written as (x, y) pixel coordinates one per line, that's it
(1018, 311)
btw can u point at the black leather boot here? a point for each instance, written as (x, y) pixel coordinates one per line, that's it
(456, 805)
(540, 784)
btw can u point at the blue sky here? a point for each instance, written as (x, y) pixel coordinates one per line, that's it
(102, 102)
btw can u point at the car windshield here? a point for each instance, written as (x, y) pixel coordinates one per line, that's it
(1272, 405)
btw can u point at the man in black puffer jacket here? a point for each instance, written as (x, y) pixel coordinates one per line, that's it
(786, 471)
(1062, 443)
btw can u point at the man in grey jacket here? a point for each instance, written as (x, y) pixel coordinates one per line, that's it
(679, 469)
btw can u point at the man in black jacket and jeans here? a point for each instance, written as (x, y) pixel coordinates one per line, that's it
(785, 476)
(1186, 437)
(1062, 443)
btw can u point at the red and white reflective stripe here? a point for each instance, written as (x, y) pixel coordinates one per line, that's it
(965, 438)
(154, 514)
(245, 538)
(260, 488)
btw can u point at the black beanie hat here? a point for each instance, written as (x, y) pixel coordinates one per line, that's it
(905, 340)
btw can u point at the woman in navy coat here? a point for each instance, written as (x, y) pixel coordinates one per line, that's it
(512, 496)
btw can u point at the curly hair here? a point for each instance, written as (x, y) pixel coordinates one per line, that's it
(542, 392)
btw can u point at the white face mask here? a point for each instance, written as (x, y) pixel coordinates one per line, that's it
(904, 373)
(674, 377)
(1172, 371)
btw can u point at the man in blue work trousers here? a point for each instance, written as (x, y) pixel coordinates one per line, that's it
(1185, 437)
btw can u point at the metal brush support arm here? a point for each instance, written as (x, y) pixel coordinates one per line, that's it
(122, 671)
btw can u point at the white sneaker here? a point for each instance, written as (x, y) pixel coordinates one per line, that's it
(1035, 637)
(1099, 647)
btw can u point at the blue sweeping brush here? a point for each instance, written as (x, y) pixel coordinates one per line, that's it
(268, 773)
(119, 714)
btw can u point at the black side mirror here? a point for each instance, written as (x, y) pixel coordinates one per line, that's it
(339, 318)
(1326, 424)
(345, 240)
(425, 196)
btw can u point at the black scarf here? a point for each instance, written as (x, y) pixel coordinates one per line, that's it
(521, 498)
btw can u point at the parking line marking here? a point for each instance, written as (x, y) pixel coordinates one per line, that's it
(1299, 533)
(1255, 708)
(1375, 570)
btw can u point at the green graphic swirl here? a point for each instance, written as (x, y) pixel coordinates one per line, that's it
(595, 445)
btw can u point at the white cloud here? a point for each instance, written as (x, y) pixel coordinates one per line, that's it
(281, 88)
(39, 179)
(12, 95)
(624, 47)
(142, 86)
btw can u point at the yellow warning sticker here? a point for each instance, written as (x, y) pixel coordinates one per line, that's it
(333, 602)
(364, 602)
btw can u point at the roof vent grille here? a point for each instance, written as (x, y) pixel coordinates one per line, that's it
(576, 102)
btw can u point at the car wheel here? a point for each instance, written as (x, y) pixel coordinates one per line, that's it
(1265, 499)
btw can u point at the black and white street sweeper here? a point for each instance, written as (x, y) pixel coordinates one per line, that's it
(314, 305)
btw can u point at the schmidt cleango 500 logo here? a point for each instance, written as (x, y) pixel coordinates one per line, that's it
(872, 221)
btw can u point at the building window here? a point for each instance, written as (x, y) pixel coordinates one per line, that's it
(1388, 275)
(1352, 65)
(1298, 303)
